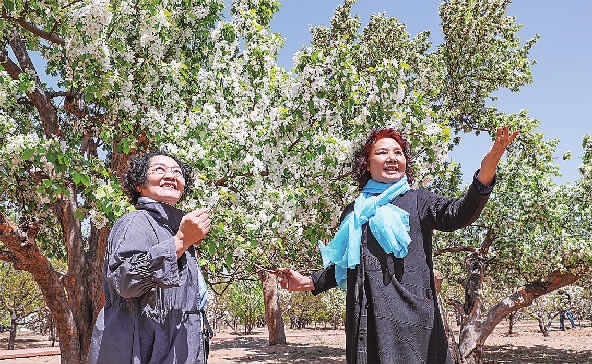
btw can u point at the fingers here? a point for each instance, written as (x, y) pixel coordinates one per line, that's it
(195, 225)
(504, 137)
(200, 217)
(284, 275)
(276, 272)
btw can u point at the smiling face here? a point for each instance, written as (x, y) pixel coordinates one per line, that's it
(386, 161)
(164, 180)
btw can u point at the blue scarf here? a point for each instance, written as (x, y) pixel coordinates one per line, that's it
(388, 223)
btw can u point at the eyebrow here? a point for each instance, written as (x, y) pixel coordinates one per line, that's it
(387, 148)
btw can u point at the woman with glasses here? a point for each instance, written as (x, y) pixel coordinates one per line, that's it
(154, 289)
(382, 253)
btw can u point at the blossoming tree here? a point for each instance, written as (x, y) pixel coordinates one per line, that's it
(271, 148)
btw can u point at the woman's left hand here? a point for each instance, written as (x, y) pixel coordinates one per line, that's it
(490, 161)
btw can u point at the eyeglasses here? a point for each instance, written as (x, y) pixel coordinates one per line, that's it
(161, 171)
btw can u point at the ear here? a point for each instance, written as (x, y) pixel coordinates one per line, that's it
(139, 189)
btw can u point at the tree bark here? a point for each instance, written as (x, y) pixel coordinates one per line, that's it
(511, 320)
(273, 311)
(74, 300)
(12, 334)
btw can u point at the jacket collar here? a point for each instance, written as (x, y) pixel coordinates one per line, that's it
(163, 213)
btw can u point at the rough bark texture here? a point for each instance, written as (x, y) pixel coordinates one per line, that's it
(470, 331)
(477, 326)
(273, 311)
(542, 327)
(476, 329)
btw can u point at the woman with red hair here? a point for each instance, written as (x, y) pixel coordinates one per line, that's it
(382, 253)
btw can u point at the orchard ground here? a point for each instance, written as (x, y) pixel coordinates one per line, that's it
(526, 345)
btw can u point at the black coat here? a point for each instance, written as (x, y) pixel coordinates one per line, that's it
(391, 313)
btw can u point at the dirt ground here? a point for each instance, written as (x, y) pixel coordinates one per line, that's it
(525, 346)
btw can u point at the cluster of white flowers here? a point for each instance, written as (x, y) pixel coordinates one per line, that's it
(98, 219)
(94, 15)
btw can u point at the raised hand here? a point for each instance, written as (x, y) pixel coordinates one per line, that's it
(490, 161)
(193, 228)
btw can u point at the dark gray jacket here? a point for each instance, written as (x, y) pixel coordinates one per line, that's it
(391, 313)
(152, 299)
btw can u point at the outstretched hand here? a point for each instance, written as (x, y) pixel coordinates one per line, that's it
(293, 281)
(490, 161)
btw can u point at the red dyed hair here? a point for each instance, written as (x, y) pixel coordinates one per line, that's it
(360, 171)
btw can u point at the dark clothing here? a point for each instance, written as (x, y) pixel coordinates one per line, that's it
(391, 313)
(152, 299)
(565, 310)
(562, 319)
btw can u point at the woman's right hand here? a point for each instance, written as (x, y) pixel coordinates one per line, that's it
(193, 228)
(293, 281)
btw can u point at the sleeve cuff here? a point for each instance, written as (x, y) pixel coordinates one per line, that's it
(315, 279)
(483, 189)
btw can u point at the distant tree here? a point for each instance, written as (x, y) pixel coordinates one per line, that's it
(333, 307)
(21, 300)
(300, 308)
(245, 301)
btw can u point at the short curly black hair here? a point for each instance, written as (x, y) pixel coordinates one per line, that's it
(360, 172)
(137, 170)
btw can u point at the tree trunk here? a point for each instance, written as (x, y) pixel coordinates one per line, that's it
(273, 311)
(74, 299)
(12, 333)
(542, 327)
(511, 320)
(51, 329)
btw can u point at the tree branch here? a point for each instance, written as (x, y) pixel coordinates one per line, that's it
(523, 297)
(33, 29)
(9, 66)
(38, 97)
(490, 238)
(7, 256)
(456, 249)
(458, 306)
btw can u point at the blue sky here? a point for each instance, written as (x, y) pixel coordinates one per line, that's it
(559, 96)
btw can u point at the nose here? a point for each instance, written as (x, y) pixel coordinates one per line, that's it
(169, 174)
(391, 157)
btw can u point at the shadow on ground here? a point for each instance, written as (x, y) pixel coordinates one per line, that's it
(537, 354)
(257, 350)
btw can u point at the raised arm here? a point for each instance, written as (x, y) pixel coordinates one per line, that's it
(492, 158)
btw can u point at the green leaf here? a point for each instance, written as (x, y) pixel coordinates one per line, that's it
(10, 5)
(85, 179)
(229, 259)
(28, 153)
